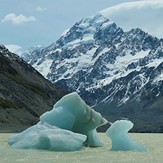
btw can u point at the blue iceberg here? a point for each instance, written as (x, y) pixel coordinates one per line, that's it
(118, 133)
(72, 113)
(44, 136)
(70, 124)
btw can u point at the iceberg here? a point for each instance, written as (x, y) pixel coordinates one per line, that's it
(67, 127)
(44, 136)
(118, 133)
(72, 113)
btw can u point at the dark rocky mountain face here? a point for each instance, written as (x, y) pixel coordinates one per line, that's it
(118, 73)
(24, 93)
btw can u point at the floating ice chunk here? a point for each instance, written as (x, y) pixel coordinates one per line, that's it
(70, 124)
(43, 136)
(72, 113)
(118, 132)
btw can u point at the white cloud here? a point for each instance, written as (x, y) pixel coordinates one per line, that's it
(14, 49)
(18, 19)
(147, 15)
(40, 9)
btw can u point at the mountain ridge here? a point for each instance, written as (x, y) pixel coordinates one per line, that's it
(24, 93)
(113, 71)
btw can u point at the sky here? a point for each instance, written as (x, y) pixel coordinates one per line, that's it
(29, 23)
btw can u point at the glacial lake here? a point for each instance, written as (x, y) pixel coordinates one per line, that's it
(154, 142)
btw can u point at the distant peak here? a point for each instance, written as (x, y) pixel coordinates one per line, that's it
(94, 21)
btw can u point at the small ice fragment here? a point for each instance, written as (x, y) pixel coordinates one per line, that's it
(118, 133)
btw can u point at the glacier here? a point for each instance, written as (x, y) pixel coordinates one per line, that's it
(118, 133)
(67, 127)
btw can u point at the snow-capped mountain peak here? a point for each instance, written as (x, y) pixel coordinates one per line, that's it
(83, 31)
(108, 67)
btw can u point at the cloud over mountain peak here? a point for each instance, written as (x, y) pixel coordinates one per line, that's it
(146, 15)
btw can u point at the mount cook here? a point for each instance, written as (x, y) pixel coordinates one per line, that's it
(120, 74)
